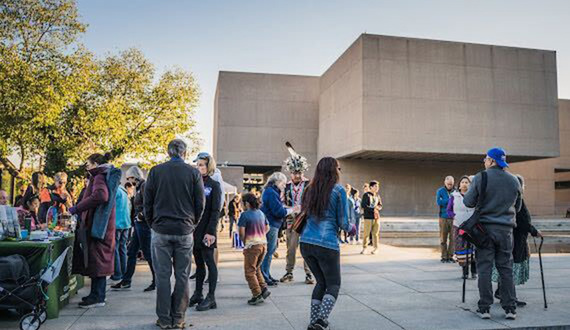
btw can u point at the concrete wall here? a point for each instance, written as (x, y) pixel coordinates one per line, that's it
(233, 175)
(407, 188)
(420, 94)
(340, 105)
(540, 195)
(255, 114)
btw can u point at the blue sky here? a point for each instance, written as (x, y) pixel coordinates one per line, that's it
(305, 37)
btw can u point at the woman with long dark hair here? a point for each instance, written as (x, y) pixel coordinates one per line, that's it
(326, 205)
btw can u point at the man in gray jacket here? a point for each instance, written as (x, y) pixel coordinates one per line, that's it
(502, 200)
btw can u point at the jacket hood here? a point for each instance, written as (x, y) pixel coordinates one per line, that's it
(135, 172)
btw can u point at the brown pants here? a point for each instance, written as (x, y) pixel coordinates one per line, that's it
(253, 257)
(445, 235)
(371, 226)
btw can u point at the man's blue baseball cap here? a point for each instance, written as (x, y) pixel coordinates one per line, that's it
(498, 155)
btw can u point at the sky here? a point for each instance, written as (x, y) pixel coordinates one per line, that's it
(306, 37)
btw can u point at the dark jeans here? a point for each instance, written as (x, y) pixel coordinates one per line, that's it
(98, 285)
(500, 253)
(121, 237)
(204, 256)
(232, 221)
(325, 265)
(139, 241)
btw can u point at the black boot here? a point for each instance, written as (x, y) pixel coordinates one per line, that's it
(196, 299)
(208, 303)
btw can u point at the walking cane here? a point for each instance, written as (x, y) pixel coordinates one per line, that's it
(539, 249)
(465, 274)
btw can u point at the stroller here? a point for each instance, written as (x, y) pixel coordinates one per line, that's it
(25, 293)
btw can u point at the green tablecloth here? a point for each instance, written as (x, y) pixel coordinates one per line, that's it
(36, 253)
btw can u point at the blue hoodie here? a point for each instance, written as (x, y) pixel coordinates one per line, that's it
(122, 209)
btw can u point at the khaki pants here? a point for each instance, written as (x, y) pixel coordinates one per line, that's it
(371, 226)
(292, 245)
(253, 257)
(446, 238)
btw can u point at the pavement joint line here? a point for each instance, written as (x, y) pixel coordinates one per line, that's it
(281, 312)
(375, 311)
(387, 279)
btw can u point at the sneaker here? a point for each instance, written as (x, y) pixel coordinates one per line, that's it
(181, 325)
(162, 326)
(121, 286)
(510, 314)
(265, 293)
(87, 298)
(151, 287)
(309, 279)
(89, 303)
(272, 283)
(363, 251)
(288, 277)
(255, 300)
(473, 276)
(451, 260)
(484, 313)
(443, 260)
(207, 304)
(521, 303)
(375, 251)
(321, 324)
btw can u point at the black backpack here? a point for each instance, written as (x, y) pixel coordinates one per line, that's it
(472, 230)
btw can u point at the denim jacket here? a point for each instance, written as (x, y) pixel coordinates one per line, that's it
(324, 231)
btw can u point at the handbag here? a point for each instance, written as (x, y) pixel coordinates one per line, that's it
(472, 230)
(300, 221)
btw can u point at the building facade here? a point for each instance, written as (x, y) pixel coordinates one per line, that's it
(406, 112)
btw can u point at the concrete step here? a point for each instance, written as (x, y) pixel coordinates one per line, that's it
(424, 232)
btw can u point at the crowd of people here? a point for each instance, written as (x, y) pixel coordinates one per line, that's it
(172, 216)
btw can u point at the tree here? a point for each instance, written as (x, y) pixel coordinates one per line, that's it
(39, 70)
(61, 103)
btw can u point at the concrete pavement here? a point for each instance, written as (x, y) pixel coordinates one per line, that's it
(400, 288)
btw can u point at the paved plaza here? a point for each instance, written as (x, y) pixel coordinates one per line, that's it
(400, 288)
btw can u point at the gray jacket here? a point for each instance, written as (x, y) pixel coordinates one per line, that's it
(502, 197)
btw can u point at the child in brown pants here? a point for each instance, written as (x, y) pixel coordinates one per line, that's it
(253, 227)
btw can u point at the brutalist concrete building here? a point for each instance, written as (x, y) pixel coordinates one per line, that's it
(406, 112)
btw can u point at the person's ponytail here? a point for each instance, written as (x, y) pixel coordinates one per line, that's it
(99, 159)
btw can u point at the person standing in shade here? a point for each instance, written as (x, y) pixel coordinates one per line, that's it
(371, 206)
(502, 201)
(234, 210)
(297, 166)
(461, 213)
(173, 206)
(355, 196)
(326, 205)
(94, 249)
(205, 238)
(142, 235)
(122, 227)
(445, 221)
(275, 211)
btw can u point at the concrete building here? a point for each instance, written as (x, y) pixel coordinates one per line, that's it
(406, 112)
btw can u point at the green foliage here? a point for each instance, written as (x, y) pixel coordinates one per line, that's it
(61, 103)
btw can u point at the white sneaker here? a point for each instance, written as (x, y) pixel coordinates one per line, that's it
(510, 314)
(484, 314)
